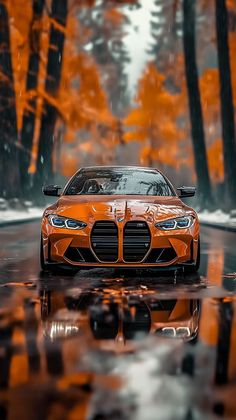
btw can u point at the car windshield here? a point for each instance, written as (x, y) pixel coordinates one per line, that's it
(119, 182)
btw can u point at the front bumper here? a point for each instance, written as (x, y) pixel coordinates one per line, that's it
(74, 248)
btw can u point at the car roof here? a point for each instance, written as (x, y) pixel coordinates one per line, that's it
(136, 168)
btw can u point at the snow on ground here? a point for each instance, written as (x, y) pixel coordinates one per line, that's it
(14, 211)
(219, 219)
(20, 215)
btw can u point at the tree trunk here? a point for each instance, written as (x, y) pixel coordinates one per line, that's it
(195, 109)
(9, 168)
(27, 132)
(56, 45)
(227, 107)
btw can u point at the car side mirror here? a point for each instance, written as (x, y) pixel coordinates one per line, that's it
(186, 191)
(51, 190)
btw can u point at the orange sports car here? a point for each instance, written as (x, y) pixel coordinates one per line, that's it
(120, 217)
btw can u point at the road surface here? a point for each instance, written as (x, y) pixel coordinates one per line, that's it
(104, 345)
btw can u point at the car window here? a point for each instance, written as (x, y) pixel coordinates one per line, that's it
(115, 182)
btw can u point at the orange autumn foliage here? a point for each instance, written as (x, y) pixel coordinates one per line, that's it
(215, 161)
(83, 105)
(210, 99)
(81, 102)
(210, 94)
(20, 21)
(154, 120)
(81, 97)
(114, 17)
(210, 88)
(69, 164)
(231, 4)
(20, 15)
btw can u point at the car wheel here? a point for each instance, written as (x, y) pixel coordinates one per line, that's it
(194, 268)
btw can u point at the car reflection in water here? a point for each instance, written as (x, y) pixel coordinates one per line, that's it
(114, 319)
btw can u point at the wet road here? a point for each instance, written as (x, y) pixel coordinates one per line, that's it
(106, 345)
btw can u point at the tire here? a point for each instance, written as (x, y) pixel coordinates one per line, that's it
(194, 268)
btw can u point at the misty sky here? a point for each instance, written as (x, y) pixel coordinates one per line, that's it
(138, 39)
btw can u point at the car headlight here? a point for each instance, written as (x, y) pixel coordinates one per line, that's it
(178, 223)
(64, 222)
(179, 332)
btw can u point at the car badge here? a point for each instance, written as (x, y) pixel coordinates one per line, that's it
(120, 219)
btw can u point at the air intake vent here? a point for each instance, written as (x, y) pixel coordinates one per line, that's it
(104, 240)
(161, 255)
(80, 255)
(136, 242)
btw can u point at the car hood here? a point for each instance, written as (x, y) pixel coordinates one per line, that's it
(92, 208)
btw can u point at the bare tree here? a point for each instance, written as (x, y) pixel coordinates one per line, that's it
(195, 109)
(9, 162)
(59, 13)
(27, 132)
(227, 107)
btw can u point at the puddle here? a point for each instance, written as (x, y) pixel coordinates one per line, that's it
(118, 350)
